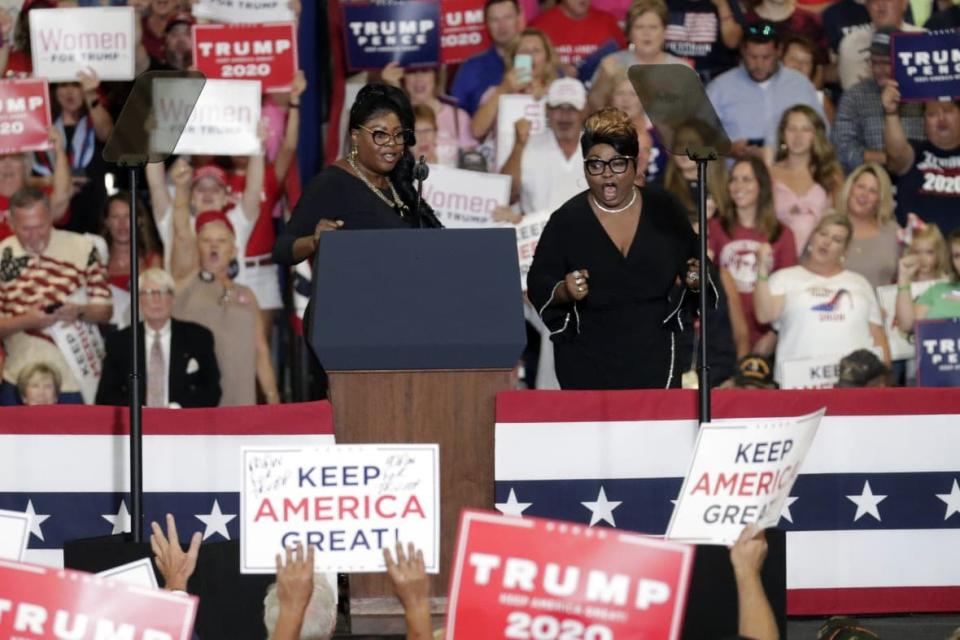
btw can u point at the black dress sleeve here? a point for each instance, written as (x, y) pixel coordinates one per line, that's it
(306, 214)
(550, 266)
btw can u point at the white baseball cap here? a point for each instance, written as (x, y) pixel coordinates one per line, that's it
(567, 91)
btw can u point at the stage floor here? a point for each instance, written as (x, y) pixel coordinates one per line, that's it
(915, 627)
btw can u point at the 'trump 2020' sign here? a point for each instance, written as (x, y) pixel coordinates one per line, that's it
(533, 578)
(24, 115)
(265, 52)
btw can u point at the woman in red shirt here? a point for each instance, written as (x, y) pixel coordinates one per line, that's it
(745, 223)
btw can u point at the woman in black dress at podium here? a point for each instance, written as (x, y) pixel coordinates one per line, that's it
(605, 267)
(372, 188)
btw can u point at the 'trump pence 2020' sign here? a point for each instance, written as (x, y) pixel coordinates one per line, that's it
(742, 472)
(65, 41)
(407, 33)
(348, 501)
(535, 578)
(40, 602)
(24, 115)
(223, 122)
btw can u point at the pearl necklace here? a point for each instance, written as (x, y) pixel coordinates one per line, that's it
(621, 209)
(397, 203)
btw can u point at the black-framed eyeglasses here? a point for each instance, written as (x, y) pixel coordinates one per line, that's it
(617, 164)
(383, 139)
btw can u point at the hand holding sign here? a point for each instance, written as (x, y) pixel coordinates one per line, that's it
(890, 97)
(408, 576)
(295, 579)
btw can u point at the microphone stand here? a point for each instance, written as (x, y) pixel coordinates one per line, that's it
(702, 156)
(420, 173)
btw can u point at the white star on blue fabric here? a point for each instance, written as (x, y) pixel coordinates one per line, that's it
(952, 499)
(37, 519)
(867, 503)
(120, 520)
(216, 521)
(512, 507)
(602, 509)
(785, 512)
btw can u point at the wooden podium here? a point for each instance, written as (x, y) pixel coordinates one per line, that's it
(418, 331)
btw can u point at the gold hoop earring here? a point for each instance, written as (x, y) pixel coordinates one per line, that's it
(353, 152)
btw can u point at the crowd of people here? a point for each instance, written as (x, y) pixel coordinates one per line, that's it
(834, 188)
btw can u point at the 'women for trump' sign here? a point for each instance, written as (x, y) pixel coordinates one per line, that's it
(65, 41)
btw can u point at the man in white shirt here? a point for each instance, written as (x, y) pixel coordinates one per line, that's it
(547, 168)
(178, 365)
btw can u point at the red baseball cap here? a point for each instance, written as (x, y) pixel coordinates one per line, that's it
(210, 171)
(207, 217)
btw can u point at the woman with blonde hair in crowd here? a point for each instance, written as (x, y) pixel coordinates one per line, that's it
(806, 173)
(39, 383)
(625, 98)
(544, 69)
(744, 223)
(867, 200)
(646, 28)
(424, 87)
(942, 299)
(210, 297)
(818, 307)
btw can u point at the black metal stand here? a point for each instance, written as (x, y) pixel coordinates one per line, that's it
(136, 408)
(702, 157)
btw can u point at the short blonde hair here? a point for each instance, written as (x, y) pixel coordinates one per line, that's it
(931, 233)
(885, 206)
(43, 368)
(839, 219)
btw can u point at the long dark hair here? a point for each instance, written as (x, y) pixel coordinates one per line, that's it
(767, 222)
(376, 99)
(146, 235)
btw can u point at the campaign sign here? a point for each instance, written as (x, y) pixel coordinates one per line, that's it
(223, 121)
(264, 52)
(463, 30)
(741, 472)
(14, 534)
(65, 41)
(348, 501)
(528, 235)
(819, 372)
(24, 115)
(512, 107)
(138, 573)
(243, 11)
(465, 199)
(47, 603)
(938, 353)
(407, 33)
(927, 65)
(535, 578)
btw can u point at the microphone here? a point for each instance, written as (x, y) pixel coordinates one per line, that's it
(420, 173)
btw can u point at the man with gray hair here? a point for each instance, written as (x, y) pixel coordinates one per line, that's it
(300, 605)
(179, 359)
(53, 288)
